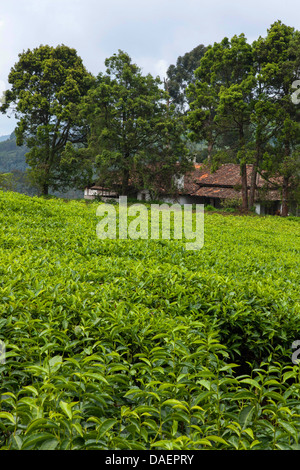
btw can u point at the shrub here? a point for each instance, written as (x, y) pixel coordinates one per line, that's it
(141, 344)
(234, 203)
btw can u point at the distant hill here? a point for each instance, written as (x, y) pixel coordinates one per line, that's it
(4, 137)
(12, 157)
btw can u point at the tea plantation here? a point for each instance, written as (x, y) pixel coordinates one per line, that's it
(142, 344)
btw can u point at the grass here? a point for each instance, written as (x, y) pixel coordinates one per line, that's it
(122, 344)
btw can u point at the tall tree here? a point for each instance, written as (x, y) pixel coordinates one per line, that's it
(48, 85)
(242, 97)
(136, 139)
(264, 127)
(201, 117)
(278, 55)
(222, 99)
(235, 109)
(181, 75)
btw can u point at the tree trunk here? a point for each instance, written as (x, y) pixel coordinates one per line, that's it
(285, 193)
(244, 187)
(125, 182)
(285, 185)
(253, 178)
(45, 189)
(243, 170)
(209, 152)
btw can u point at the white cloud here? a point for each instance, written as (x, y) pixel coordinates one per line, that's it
(153, 32)
(152, 66)
(161, 68)
(3, 88)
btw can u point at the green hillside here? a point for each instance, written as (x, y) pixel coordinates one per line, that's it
(12, 157)
(141, 344)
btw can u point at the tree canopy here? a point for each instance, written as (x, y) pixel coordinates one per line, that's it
(235, 101)
(48, 85)
(241, 107)
(179, 77)
(136, 139)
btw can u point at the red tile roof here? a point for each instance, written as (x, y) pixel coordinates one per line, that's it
(224, 183)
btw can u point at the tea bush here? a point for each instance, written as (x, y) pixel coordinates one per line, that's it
(141, 344)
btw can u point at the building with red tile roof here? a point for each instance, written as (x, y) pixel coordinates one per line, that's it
(204, 186)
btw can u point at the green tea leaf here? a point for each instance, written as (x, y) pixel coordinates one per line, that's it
(106, 426)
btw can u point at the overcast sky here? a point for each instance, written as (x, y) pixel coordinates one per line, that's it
(153, 32)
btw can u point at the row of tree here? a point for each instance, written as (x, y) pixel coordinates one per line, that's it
(123, 128)
(116, 128)
(242, 101)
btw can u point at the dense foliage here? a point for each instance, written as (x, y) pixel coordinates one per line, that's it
(181, 75)
(141, 344)
(231, 101)
(135, 139)
(241, 106)
(47, 86)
